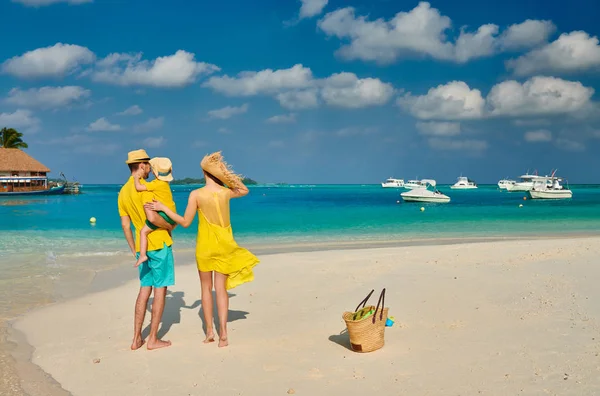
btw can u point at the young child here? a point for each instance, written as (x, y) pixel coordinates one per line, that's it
(161, 167)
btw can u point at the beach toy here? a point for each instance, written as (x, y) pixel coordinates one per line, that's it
(389, 322)
(93, 220)
(422, 209)
(520, 205)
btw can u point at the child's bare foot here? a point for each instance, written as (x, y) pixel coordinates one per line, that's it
(137, 344)
(158, 344)
(141, 259)
(223, 342)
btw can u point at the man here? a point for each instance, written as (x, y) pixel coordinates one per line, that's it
(158, 272)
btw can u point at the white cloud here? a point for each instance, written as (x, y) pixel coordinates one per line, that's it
(527, 34)
(347, 90)
(423, 31)
(228, 111)
(452, 101)
(268, 81)
(569, 145)
(54, 61)
(310, 8)
(150, 125)
(296, 88)
(103, 125)
(468, 145)
(42, 3)
(540, 135)
(538, 95)
(439, 128)
(282, 119)
(20, 119)
(154, 142)
(131, 111)
(47, 97)
(177, 70)
(571, 52)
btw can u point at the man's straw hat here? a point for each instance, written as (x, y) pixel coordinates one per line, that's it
(216, 166)
(162, 168)
(137, 156)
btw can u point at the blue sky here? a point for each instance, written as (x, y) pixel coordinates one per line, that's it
(310, 91)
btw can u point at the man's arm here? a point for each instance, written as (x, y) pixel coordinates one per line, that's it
(126, 225)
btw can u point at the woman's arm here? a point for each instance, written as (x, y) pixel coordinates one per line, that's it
(190, 211)
(239, 191)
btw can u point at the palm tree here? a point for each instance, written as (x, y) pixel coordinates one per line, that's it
(11, 138)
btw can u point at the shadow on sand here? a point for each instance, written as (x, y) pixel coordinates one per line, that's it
(174, 303)
(343, 339)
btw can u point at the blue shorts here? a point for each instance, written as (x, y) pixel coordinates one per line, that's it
(159, 270)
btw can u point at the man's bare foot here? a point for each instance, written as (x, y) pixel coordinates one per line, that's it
(223, 342)
(209, 338)
(142, 259)
(137, 344)
(158, 344)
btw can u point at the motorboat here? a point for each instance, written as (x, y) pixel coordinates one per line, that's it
(426, 193)
(464, 183)
(419, 183)
(393, 183)
(526, 182)
(504, 183)
(549, 188)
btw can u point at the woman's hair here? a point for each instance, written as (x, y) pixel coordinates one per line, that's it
(211, 177)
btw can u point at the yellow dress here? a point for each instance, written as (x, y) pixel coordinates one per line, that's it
(216, 249)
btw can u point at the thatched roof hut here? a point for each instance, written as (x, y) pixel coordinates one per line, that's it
(15, 160)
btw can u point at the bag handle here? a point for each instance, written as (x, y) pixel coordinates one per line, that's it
(381, 300)
(364, 302)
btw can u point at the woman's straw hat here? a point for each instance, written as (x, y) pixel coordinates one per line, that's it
(137, 156)
(216, 166)
(162, 168)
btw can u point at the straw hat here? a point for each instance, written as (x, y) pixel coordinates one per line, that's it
(216, 166)
(136, 156)
(162, 168)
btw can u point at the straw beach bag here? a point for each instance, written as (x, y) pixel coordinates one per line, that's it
(366, 325)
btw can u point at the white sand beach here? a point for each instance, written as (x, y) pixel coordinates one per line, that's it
(493, 318)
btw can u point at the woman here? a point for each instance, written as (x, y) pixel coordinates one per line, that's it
(217, 254)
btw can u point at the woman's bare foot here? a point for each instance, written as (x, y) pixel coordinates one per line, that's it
(137, 344)
(209, 338)
(158, 344)
(141, 259)
(223, 342)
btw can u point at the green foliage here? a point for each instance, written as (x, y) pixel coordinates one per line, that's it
(11, 138)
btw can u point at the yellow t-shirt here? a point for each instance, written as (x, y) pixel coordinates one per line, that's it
(131, 203)
(162, 192)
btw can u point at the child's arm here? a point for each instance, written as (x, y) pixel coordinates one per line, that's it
(190, 211)
(138, 185)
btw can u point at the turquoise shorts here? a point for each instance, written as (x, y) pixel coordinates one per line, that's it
(159, 270)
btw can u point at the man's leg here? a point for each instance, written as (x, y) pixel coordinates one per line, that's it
(139, 315)
(158, 306)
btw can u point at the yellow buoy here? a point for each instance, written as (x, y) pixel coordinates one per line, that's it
(422, 209)
(93, 220)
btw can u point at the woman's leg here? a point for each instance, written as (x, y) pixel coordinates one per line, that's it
(222, 307)
(206, 284)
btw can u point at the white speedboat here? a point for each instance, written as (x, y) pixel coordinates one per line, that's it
(525, 184)
(549, 188)
(464, 183)
(424, 194)
(504, 183)
(393, 183)
(419, 183)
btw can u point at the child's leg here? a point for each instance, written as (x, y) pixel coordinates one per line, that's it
(143, 244)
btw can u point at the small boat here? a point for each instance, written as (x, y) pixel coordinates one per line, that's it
(464, 183)
(425, 194)
(55, 190)
(419, 183)
(504, 183)
(393, 183)
(549, 188)
(525, 184)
